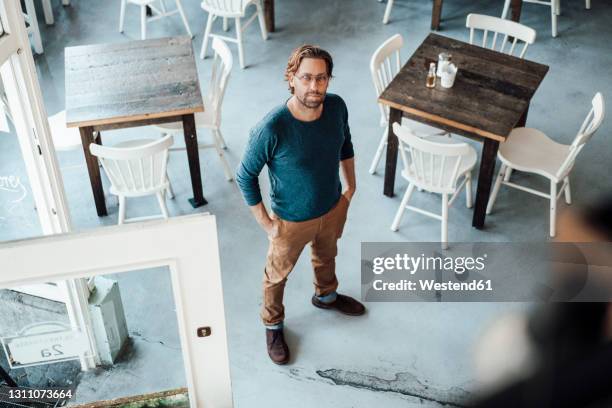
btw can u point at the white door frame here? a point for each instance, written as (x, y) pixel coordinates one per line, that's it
(30, 120)
(186, 245)
(32, 127)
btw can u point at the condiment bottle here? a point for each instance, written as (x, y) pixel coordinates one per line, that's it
(431, 76)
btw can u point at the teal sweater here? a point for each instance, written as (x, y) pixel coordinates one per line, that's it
(303, 160)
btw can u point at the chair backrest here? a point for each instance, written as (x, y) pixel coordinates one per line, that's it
(430, 165)
(135, 170)
(224, 7)
(221, 68)
(384, 65)
(507, 28)
(591, 123)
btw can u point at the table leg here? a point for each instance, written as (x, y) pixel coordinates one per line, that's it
(268, 6)
(395, 115)
(485, 179)
(193, 155)
(436, 14)
(87, 138)
(516, 6)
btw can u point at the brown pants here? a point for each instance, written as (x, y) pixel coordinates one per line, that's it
(285, 249)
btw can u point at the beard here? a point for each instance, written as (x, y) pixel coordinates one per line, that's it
(311, 100)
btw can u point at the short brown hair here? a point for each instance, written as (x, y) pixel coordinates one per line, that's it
(307, 51)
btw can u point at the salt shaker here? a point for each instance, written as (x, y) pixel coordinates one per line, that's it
(444, 59)
(448, 76)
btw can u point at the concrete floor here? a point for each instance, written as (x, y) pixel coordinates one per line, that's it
(399, 354)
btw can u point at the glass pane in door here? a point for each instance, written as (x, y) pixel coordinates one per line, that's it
(135, 329)
(18, 216)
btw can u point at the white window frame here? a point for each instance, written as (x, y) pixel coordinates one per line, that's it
(186, 245)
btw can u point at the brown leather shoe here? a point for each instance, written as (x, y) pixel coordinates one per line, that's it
(277, 348)
(343, 304)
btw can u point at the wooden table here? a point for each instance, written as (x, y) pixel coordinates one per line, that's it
(129, 84)
(490, 97)
(436, 12)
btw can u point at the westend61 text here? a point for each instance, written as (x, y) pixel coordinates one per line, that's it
(430, 284)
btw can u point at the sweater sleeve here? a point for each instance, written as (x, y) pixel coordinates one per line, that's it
(346, 152)
(258, 153)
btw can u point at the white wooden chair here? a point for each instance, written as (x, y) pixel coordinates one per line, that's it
(137, 168)
(235, 9)
(555, 10)
(211, 117)
(48, 10)
(64, 138)
(434, 167)
(32, 26)
(387, 10)
(531, 151)
(32, 21)
(507, 29)
(384, 65)
(159, 10)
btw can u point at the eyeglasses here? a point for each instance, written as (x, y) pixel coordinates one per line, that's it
(306, 79)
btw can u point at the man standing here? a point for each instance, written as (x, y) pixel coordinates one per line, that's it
(304, 142)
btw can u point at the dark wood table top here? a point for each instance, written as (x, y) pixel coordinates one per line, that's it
(131, 81)
(490, 93)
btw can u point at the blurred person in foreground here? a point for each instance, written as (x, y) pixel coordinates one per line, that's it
(560, 354)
